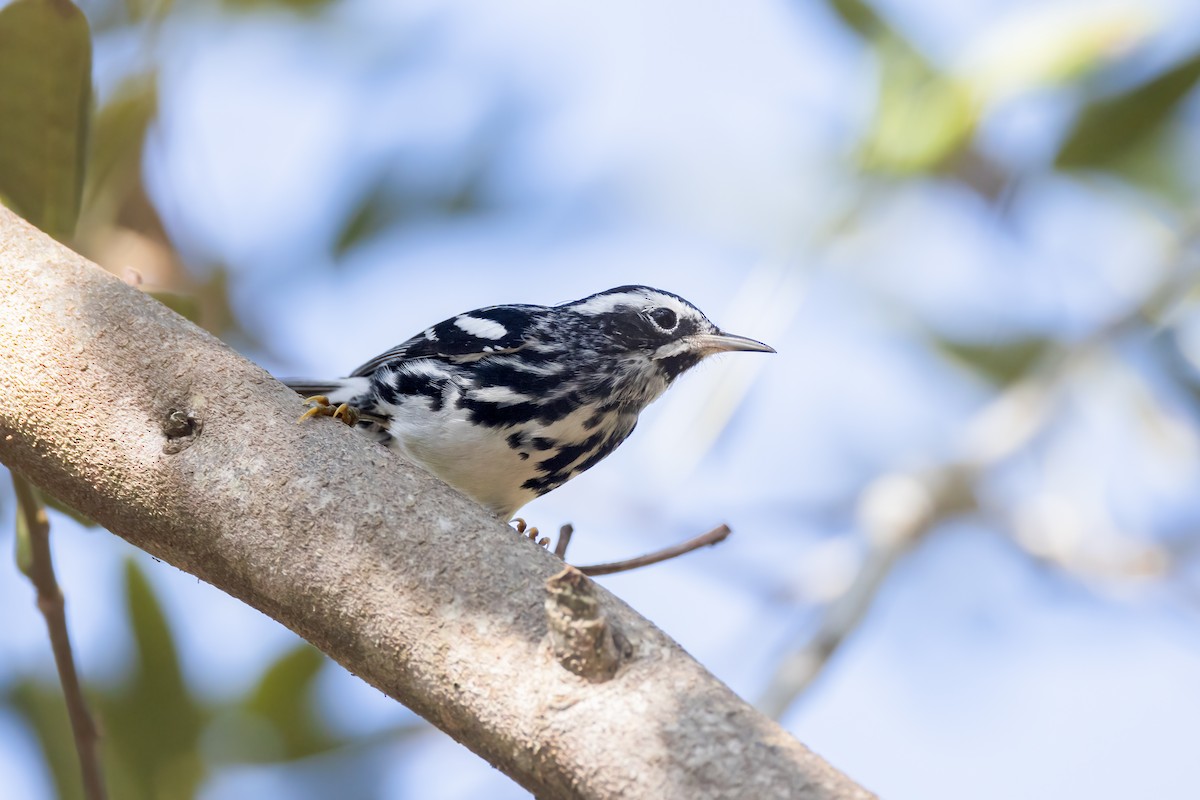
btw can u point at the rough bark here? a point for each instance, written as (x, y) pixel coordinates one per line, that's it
(176, 443)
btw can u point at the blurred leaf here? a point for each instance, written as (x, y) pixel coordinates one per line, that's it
(115, 196)
(1111, 127)
(1153, 164)
(1048, 45)
(120, 227)
(118, 133)
(155, 719)
(923, 117)
(1168, 345)
(185, 305)
(216, 314)
(1000, 364)
(385, 204)
(859, 17)
(142, 10)
(284, 698)
(295, 6)
(164, 688)
(45, 91)
(62, 508)
(43, 709)
(375, 212)
(151, 723)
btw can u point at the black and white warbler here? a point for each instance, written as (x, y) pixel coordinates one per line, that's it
(505, 403)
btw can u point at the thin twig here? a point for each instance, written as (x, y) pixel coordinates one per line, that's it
(50, 603)
(717, 534)
(564, 539)
(913, 507)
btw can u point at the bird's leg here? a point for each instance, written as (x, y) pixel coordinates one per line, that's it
(321, 407)
(530, 532)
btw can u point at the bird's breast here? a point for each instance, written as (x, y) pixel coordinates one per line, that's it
(467, 438)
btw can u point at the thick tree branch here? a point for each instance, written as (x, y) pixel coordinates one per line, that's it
(171, 440)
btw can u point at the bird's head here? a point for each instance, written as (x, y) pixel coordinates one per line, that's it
(654, 336)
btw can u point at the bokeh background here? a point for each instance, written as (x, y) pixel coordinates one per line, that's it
(964, 493)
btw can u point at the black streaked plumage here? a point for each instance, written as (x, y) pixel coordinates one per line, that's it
(506, 403)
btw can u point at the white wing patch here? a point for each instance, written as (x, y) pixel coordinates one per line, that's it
(483, 328)
(501, 395)
(421, 368)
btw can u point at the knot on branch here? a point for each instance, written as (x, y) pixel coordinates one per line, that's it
(181, 429)
(583, 641)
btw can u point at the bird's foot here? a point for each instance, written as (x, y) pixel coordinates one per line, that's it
(321, 407)
(530, 533)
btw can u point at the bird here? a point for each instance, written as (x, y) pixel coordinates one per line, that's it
(508, 402)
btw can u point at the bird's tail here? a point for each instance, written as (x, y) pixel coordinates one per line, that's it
(338, 390)
(307, 388)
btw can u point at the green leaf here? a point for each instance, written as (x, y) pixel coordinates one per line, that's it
(923, 117)
(295, 6)
(1112, 127)
(155, 719)
(142, 10)
(1000, 363)
(1051, 45)
(377, 210)
(284, 698)
(62, 508)
(859, 17)
(160, 681)
(185, 305)
(1177, 363)
(374, 212)
(117, 135)
(150, 724)
(45, 91)
(43, 709)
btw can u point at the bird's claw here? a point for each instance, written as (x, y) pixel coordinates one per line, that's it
(321, 407)
(530, 533)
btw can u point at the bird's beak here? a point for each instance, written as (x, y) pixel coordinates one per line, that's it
(710, 343)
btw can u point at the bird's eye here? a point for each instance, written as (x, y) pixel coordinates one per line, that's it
(664, 318)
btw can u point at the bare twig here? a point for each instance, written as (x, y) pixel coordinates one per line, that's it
(564, 539)
(800, 668)
(40, 569)
(898, 511)
(717, 534)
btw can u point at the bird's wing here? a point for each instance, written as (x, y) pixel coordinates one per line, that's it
(465, 337)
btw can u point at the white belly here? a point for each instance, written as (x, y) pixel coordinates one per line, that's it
(479, 460)
(493, 464)
(473, 459)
